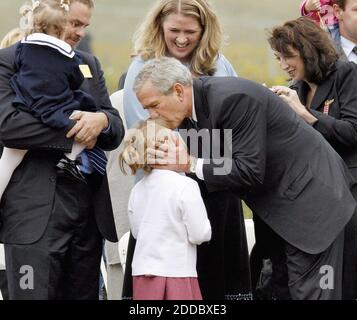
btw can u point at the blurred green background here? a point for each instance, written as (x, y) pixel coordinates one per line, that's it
(245, 22)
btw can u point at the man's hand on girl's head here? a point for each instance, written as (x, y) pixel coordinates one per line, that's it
(169, 156)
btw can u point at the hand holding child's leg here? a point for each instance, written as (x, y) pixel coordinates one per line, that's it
(68, 164)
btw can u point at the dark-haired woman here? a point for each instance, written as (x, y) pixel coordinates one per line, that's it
(324, 94)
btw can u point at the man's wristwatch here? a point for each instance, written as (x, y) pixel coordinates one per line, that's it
(193, 164)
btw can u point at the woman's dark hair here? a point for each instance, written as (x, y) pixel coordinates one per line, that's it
(314, 45)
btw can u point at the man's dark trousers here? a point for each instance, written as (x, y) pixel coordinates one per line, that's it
(65, 261)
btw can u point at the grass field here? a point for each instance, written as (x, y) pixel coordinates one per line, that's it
(244, 22)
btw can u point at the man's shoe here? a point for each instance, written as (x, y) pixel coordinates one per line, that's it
(70, 168)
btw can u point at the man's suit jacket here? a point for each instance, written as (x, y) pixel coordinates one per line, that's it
(27, 202)
(338, 124)
(284, 169)
(336, 37)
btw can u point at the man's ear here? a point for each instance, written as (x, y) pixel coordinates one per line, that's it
(179, 91)
(338, 12)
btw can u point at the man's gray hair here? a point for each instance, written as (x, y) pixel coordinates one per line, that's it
(163, 73)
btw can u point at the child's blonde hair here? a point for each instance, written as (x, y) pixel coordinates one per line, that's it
(11, 38)
(46, 16)
(136, 142)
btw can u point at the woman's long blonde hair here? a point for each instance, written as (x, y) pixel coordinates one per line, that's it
(149, 38)
(136, 142)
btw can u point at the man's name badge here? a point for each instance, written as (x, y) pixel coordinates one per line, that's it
(85, 71)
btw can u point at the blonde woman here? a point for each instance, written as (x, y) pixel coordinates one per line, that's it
(189, 30)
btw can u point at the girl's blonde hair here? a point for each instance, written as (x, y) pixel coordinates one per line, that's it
(149, 39)
(136, 142)
(88, 3)
(45, 16)
(11, 38)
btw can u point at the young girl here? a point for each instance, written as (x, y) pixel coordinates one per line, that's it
(321, 11)
(47, 83)
(167, 218)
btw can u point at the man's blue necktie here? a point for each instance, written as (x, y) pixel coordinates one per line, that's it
(355, 50)
(98, 159)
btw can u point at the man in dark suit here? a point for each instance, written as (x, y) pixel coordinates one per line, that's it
(345, 35)
(52, 225)
(300, 190)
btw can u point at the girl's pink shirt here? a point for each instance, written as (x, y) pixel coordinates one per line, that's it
(326, 12)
